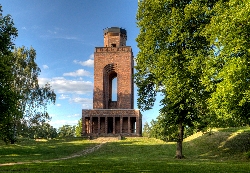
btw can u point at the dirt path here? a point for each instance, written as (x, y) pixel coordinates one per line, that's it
(86, 151)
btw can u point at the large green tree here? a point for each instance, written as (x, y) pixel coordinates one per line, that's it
(8, 96)
(22, 99)
(32, 98)
(228, 75)
(171, 60)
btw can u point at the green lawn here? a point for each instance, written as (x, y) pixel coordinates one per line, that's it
(225, 150)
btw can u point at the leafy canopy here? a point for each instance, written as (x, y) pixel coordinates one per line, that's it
(22, 99)
(172, 57)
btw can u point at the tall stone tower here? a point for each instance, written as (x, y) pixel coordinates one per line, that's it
(114, 60)
(111, 116)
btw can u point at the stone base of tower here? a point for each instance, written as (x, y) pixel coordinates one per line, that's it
(111, 122)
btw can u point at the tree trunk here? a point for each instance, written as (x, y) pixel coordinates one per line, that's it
(13, 138)
(179, 141)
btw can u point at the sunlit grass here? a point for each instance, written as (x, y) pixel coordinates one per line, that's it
(219, 151)
(234, 129)
(29, 150)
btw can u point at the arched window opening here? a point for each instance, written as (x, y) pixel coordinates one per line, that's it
(114, 89)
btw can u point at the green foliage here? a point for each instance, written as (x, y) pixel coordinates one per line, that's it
(162, 129)
(78, 128)
(248, 154)
(171, 60)
(8, 96)
(37, 131)
(22, 99)
(34, 98)
(196, 54)
(228, 71)
(8, 33)
(146, 130)
(66, 131)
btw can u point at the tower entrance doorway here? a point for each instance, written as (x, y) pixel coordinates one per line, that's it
(110, 125)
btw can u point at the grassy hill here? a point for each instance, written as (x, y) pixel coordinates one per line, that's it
(222, 150)
(221, 144)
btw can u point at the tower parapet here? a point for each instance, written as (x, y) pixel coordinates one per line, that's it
(115, 37)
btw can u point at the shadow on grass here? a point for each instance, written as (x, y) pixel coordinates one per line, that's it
(134, 155)
(220, 146)
(152, 155)
(30, 150)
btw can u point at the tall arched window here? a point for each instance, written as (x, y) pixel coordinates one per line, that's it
(114, 89)
(110, 86)
(113, 86)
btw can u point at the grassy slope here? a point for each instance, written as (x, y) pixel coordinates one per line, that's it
(222, 151)
(30, 150)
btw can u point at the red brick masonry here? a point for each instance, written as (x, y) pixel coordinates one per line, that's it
(110, 122)
(113, 117)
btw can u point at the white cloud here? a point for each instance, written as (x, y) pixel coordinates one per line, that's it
(81, 100)
(45, 67)
(24, 28)
(75, 115)
(80, 72)
(91, 56)
(62, 85)
(57, 33)
(63, 96)
(52, 32)
(60, 123)
(58, 105)
(86, 102)
(89, 62)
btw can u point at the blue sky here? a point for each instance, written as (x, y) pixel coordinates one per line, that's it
(64, 34)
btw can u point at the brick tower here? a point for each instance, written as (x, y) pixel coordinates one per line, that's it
(110, 116)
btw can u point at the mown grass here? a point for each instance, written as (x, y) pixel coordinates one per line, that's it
(30, 150)
(221, 151)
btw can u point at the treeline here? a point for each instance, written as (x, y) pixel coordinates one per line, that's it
(45, 131)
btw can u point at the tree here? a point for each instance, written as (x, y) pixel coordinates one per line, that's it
(8, 96)
(228, 77)
(39, 130)
(32, 99)
(22, 98)
(166, 131)
(171, 60)
(146, 130)
(66, 131)
(162, 129)
(79, 128)
(43, 130)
